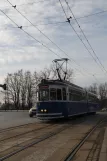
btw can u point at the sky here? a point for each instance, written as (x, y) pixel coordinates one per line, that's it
(18, 50)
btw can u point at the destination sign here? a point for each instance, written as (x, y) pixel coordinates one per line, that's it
(43, 87)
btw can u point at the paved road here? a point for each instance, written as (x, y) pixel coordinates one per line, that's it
(8, 119)
(56, 147)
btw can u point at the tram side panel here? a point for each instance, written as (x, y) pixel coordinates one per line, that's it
(92, 103)
(93, 107)
(76, 108)
(61, 109)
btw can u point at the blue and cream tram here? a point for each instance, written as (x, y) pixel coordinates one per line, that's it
(62, 99)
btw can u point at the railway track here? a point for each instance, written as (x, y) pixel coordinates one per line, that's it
(15, 127)
(36, 140)
(96, 148)
(8, 144)
(77, 147)
(24, 133)
(12, 130)
(55, 129)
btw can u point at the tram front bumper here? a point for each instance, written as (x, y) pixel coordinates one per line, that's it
(49, 116)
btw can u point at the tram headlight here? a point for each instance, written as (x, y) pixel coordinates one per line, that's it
(45, 110)
(41, 110)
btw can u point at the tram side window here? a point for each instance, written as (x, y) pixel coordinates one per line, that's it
(59, 94)
(52, 94)
(64, 93)
(75, 95)
(70, 96)
(84, 97)
(78, 96)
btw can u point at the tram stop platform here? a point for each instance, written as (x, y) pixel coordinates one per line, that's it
(103, 152)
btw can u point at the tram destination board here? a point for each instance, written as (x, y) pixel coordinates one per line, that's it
(43, 87)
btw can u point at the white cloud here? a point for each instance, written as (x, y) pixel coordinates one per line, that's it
(18, 50)
(6, 37)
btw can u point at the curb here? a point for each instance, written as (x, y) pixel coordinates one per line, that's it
(103, 152)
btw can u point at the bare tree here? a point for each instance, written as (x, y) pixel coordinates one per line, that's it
(13, 89)
(70, 75)
(45, 74)
(22, 86)
(23, 91)
(93, 88)
(30, 85)
(52, 73)
(103, 91)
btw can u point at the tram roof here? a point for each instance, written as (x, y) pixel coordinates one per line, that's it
(93, 94)
(63, 82)
(59, 82)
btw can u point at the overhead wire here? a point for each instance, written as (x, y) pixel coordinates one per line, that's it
(49, 23)
(85, 16)
(68, 19)
(20, 27)
(30, 3)
(93, 14)
(45, 35)
(58, 22)
(86, 38)
(25, 26)
(45, 24)
(78, 36)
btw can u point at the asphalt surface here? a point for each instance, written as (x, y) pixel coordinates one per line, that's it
(56, 147)
(9, 119)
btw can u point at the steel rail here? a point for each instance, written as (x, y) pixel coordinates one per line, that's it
(43, 138)
(25, 133)
(78, 146)
(14, 127)
(35, 142)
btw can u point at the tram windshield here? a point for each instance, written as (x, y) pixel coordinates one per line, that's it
(44, 94)
(52, 94)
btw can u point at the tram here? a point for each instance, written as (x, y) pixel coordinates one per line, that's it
(62, 99)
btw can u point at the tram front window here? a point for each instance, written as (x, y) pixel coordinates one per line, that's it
(59, 95)
(64, 93)
(44, 95)
(52, 94)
